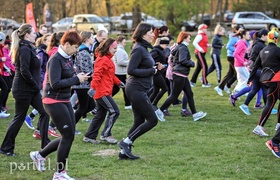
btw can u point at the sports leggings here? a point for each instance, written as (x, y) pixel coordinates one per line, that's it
(201, 64)
(179, 84)
(144, 115)
(63, 117)
(216, 64)
(273, 94)
(159, 89)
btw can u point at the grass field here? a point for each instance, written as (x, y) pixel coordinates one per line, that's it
(220, 146)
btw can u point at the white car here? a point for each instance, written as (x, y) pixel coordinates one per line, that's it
(63, 24)
(254, 20)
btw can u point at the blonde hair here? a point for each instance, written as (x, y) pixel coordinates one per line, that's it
(218, 29)
(18, 35)
(85, 35)
(39, 41)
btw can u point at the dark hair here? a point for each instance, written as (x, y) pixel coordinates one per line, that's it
(72, 37)
(261, 32)
(159, 31)
(103, 48)
(120, 38)
(55, 40)
(240, 33)
(141, 30)
(170, 37)
(182, 35)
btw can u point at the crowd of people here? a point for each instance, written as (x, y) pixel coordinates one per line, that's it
(66, 75)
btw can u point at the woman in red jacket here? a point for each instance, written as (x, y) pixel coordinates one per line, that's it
(102, 83)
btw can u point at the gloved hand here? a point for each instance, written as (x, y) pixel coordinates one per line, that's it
(91, 92)
(121, 85)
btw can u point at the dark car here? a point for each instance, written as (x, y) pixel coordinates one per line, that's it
(190, 25)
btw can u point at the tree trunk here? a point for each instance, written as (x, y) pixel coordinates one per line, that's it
(136, 15)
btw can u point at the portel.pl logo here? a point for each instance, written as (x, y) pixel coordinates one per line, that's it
(31, 166)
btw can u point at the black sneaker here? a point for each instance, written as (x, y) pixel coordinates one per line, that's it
(127, 150)
(123, 157)
(7, 153)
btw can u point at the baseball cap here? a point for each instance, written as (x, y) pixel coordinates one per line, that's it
(202, 26)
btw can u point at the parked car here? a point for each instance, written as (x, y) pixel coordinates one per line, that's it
(63, 24)
(206, 19)
(8, 24)
(125, 20)
(85, 22)
(190, 25)
(254, 20)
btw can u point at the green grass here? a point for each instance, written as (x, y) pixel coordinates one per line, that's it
(220, 146)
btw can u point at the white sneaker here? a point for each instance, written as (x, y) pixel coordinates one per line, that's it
(61, 176)
(199, 115)
(227, 90)
(192, 84)
(259, 130)
(128, 107)
(218, 90)
(39, 160)
(160, 115)
(4, 115)
(277, 126)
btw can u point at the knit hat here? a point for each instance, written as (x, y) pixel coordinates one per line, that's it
(252, 33)
(273, 35)
(202, 26)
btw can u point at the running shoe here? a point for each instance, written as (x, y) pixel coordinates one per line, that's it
(273, 147)
(39, 160)
(245, 109)
(28, 122)
(218, 90)
(259, 130)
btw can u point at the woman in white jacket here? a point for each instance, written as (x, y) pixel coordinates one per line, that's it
(121, 61)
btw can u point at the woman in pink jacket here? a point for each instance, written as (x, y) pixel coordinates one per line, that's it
(240, 62)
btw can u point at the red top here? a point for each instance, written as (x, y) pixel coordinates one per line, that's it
(203, 43)
(103, 78)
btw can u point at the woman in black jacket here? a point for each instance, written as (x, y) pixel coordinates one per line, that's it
(182, 64)
(26, 87)
(60, 76)
(141, 69)
(159, 84)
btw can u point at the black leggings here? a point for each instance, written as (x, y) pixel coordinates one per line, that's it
(179, 84)
(116, 89)
(159, 89)
(9, 82)
(4, 91)
(103, 105)
(273, 94)
(216, 64)
(142, 110)
(86, 104)
(63, 117)
(21, 108)
(201, 64)
(230, 77)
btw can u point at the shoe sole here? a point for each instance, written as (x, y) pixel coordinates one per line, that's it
(88, 141)
(268, 146)
(130, 157)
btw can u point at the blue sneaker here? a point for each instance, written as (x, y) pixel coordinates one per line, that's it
(245, 109)
(274, 111)
(28, 122)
